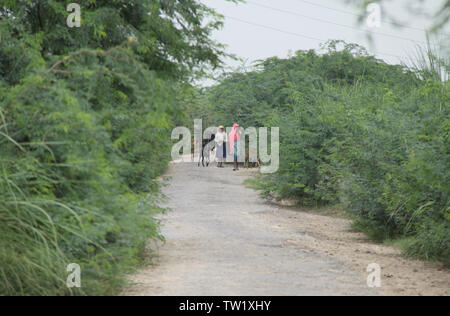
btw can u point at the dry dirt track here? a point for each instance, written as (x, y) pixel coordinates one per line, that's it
(222, 239)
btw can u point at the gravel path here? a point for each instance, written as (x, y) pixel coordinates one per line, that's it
(223, 239)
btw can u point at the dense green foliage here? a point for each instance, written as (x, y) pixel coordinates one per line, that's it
(355, 131)
(85, 121)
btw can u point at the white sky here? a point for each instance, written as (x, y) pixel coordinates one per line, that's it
(252, 42)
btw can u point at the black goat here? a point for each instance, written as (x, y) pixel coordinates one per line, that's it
(207, 147)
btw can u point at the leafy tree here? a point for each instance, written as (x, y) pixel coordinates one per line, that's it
(85, 121)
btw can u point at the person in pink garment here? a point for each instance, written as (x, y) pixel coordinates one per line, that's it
(233, 140)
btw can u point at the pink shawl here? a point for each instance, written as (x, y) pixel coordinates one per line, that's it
(235, 133)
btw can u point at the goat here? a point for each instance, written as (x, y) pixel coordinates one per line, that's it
(207, 147)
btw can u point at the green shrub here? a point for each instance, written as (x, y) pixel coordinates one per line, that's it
(354, 131)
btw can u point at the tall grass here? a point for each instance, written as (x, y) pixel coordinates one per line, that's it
(431, 62)
(31, 260)
(41, 234)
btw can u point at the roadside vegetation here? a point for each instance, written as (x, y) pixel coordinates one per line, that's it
(85, 121)
(355, 132)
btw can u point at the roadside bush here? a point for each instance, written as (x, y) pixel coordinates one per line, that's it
(357, 132)
(86, 115)
(64, 198)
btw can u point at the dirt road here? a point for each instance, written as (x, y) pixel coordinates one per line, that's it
(223, 239)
